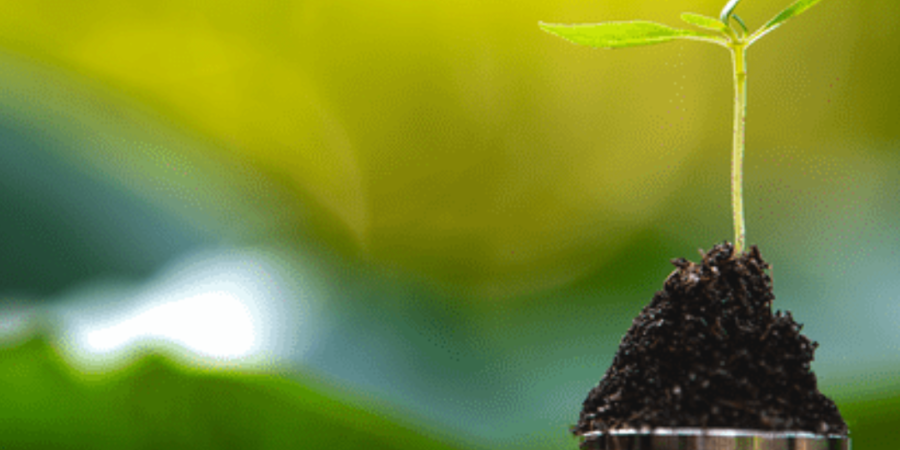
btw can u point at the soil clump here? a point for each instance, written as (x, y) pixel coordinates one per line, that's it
(708, 352)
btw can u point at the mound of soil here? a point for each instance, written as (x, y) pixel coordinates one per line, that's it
(708, 352)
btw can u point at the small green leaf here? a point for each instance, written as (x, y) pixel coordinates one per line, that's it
(727, 10)
(622, 34)
(706, 22)
(740, 22)
(795, 9)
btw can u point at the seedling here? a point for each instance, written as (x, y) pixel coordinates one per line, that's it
(708, 352)
(728, 31)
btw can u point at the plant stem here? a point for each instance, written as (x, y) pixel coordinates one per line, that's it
(738, 55)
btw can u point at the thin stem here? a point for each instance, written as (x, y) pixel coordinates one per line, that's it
(739, 54)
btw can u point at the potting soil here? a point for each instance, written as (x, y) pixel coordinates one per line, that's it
(708, 352)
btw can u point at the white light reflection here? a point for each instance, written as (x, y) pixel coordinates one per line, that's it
(214, 324)
(231, 307)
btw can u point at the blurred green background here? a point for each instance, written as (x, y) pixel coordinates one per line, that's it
(391, 224)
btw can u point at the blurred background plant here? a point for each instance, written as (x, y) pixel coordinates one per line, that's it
(332, 223)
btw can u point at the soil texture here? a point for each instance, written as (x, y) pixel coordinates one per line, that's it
(708, 352)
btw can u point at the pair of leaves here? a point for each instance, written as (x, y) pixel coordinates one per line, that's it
(635, 33)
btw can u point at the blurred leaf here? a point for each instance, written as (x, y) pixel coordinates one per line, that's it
(795, 9)
(706, 22)
(157, 404)
(622, 34)
(873, 421)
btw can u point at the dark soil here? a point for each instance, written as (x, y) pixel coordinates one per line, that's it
(709, 352)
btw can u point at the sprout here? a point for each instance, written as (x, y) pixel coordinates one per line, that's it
(717, 31)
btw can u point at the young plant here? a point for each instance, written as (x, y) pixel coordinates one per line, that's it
(721, 31)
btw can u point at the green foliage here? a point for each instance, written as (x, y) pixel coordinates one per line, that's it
(795, 9)
(629, 34)
(728, 10)
(706, 22)
(622, 34)
(638, 32)
(156, 404)
(873, 420)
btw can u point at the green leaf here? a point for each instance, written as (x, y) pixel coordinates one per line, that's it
(623, 34)
(727, 10)
(795, 9)
(740, 22)
(706, 22)
(158, 403)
